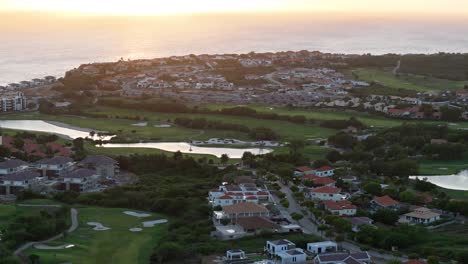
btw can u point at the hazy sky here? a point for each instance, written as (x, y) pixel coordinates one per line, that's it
(149, 7)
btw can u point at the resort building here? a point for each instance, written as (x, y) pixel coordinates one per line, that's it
(12, 101)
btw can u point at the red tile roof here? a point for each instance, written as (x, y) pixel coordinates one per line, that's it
(339, 205)
(225, 197)
(325, 168)
(326, 189)
(262, 193)
(385, 201)
(324, 181)
(304, 168)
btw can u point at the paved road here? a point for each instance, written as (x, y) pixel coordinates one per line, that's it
(73, 227)
(309, 227)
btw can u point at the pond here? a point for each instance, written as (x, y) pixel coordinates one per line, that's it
(234, 153)
(453, 182)
(57, 128)
(76, 132)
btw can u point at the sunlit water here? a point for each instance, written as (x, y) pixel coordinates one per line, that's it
(454, 182)
(73, 132)
(40, 47)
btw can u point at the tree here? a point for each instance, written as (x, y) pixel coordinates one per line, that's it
(393, 261)
(432, 260)
(248, 159)
(450, 113)
(18, 142)
(373, 188)
(386, 216)
(297, 216)
(296, 144)
(178, 155)
(224, 159)
(334, 156)
(34, 258)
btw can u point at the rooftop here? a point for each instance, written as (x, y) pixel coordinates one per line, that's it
(339, 205)
(99, 160)
(55, 161)
(245, 207)
(385, 201)
(256, 222)
(13, 163)
(303, 169)
(326, 189)
(22, 176)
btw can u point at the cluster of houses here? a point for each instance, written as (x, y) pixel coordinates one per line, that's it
(284, 251)
(31, 148)
(243, 209)
(333, 200)
(58, 173)
(28, 84)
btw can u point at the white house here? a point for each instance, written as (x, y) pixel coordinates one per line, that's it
(55, 166)
(80, 180)
(12, 166)
(303, 170)
(17, 182)
(324, 171)
(326, 193)
(291, 256)
(277, 246)
(421, 215)
(342, 207)
(322, 247)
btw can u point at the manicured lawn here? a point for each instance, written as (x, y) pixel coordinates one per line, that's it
(124, 126)
(436, 167)
(456, 194)
(340, 114)
(407, 81)
(117, 245)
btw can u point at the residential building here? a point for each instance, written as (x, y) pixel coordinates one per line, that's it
(291, 256)
(12, 101)
(16, 182)
(343, 258)
(105, 166)
(303, 170)
(244, 209)
(322, 247)
(384, 202)
(324, 171)
(319, 181)
(80, 180)
(420, 215)
(54, 167)
(12, 166)
(277, 246)
(341, 208)
(325, 193)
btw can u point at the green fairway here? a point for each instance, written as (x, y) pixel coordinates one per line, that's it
(285, 129)
(117, 245)
(457, 194)
(437, 167)
(341, 114)
(406, 81)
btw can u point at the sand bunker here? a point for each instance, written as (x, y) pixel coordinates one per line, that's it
(155, 222)
(136, 229)
(141, 124)
(98, 226)
(140, 215)
(46, 247)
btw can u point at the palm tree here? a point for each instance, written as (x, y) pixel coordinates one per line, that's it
(224, 159)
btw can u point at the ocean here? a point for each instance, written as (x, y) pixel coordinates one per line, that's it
(38, 46)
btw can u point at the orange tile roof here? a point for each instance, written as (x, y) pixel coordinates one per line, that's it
(245, 207)
(326, 189)
(339, 205)
(385, 201)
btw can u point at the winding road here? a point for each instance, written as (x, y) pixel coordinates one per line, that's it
(74, 225)
(309, 227)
